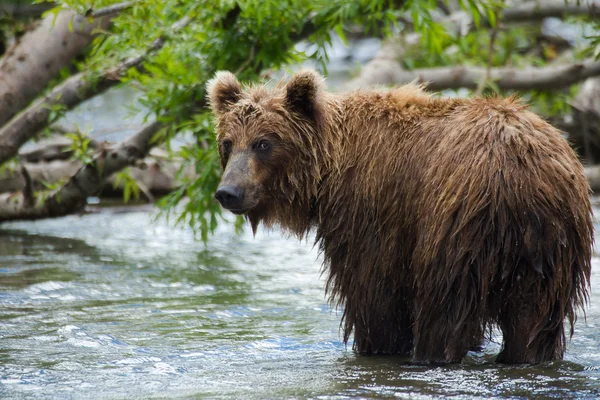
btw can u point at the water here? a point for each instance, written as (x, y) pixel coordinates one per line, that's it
(112, 305)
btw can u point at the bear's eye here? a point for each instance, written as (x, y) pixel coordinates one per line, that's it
(262, 145)
(226, 146)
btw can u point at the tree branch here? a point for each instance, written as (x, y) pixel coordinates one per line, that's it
(40, 55)
(67, 95)
(110, 10)
(156, 173)
(542, 78)
(87, 181)
(537, 10)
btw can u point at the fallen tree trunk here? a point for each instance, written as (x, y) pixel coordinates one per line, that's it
(87, 181)
(40, 174)
(542, 78)
(154, 175)
(67, 95)
(56, 147)
(154, 178)
(537, 10)
(38, 57)
(32, 120)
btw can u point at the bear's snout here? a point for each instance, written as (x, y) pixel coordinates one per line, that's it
(231, 197)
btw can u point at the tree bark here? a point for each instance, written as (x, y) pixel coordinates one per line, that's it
(28, 123)
(156, 175)
(56, 147)
(86, 182)
(551, 77)
(39, 173)
(537, 10)
(38, 57)
(67, 95)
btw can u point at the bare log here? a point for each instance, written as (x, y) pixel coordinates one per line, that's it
(86, 182)
(27, 68)
(29, 122)
(41, 174)
(67, 95)
(546, 78)
(537, 10)
(56, 147)
(157, 175)
(109, 10)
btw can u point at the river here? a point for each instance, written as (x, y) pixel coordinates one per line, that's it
(120, 305)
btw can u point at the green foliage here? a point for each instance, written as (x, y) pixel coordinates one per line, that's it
(246, 36)
(593, 50)
(515, 45)
(80, 147)
(52, 189)
(130, 186)
(251, 36)
(552, 103)
(56, 112)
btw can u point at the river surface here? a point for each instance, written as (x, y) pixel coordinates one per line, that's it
(117, 305)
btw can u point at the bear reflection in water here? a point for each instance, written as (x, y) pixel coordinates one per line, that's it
(438, 218)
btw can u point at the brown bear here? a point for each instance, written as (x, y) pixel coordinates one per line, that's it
(438, 218)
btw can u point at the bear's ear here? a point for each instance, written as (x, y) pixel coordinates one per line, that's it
(223, 91)
(303, 92)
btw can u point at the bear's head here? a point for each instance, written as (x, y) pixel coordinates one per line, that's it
(269, 146)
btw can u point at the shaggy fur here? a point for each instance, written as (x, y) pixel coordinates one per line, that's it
(438, 218)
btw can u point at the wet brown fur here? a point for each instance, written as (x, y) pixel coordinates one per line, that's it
(438, 218)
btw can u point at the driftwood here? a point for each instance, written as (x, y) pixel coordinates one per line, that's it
(155, 176)
(87, 181)
(537, 10)
(56, 147)
(542, 78)
(39, 173)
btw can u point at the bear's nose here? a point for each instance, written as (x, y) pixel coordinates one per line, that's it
(230, 197)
